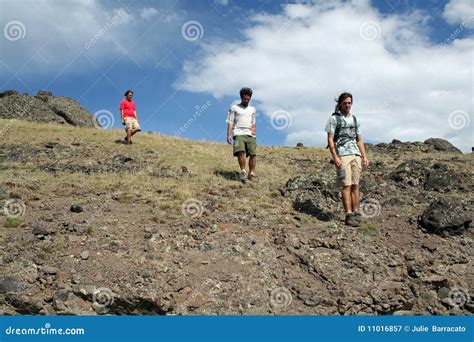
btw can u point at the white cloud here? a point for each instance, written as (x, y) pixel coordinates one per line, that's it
(83, 35)
(404, 87)
(459, 12)
(148, 12)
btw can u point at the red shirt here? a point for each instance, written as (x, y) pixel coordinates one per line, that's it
(128, 108)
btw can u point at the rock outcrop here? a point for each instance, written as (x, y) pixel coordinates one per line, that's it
(45, 108)
(428, 146)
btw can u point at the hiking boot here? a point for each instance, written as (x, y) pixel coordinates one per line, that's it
(358, 215)
(351, 220)
(252, 177)
(126, 142)
(243, 176)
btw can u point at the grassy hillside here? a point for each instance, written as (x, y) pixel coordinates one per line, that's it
(163, 226)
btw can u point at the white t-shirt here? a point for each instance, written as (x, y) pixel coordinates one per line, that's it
(242, 118)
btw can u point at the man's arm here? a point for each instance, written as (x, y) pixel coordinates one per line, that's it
(230, 125)
(360, 143)
(123, 117)
(229, 132)
(332, 149)
(135, 112)
(254, 124)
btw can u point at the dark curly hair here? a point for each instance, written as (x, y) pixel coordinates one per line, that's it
(128, 91)
(245, 91)
(340, 100)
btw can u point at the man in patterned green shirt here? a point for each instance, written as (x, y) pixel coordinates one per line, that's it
(349, 155)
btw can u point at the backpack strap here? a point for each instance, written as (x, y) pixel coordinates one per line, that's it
(355, 125)
(338, 127)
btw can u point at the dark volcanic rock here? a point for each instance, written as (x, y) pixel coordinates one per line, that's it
(45, 108)
(10, 284)
(437, 177)
(315, 196)
(445, 217)
(441, 145)
(76, 208)
(441, 178)
(8, 93)
(411, 173)
(72, 112)
(428, 146)
(27, 108)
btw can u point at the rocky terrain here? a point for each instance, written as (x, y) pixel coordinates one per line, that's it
(45, 108)
(91, 226)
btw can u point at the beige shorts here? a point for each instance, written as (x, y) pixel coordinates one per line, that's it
(352, 166)
(131, 124)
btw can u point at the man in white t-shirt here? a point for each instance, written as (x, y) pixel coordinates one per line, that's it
(241, 126)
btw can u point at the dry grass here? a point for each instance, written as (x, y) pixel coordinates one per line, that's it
(203, 159)
(211, 166)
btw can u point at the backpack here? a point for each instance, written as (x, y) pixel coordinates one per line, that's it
(339, 125)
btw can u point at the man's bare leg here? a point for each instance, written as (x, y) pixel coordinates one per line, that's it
(252, 163)
(241, 158)
(129, 135)
(355, 197)
(346, 199)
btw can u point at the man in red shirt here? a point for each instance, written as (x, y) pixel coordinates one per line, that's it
(128, 112)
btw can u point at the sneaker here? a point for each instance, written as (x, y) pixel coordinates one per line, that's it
(126, 142)
(243, 176)
(358, 215)
(351, 220)
(252, 177)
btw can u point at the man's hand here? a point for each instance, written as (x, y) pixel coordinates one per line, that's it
(365, 161)
(229, 140)
(254, 130)
(338, 162)
(123, 122)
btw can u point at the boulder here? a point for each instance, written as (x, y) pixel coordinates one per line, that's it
(441, 145)
(428, 146)
(45, 108)
(411, 173)
(445, 217)
(315, 195)
(442, 178)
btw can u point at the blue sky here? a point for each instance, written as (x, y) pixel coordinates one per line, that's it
(407, 63)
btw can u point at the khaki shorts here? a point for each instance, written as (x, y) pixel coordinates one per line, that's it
(131, 124)
(352, 166)
(245, 143)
